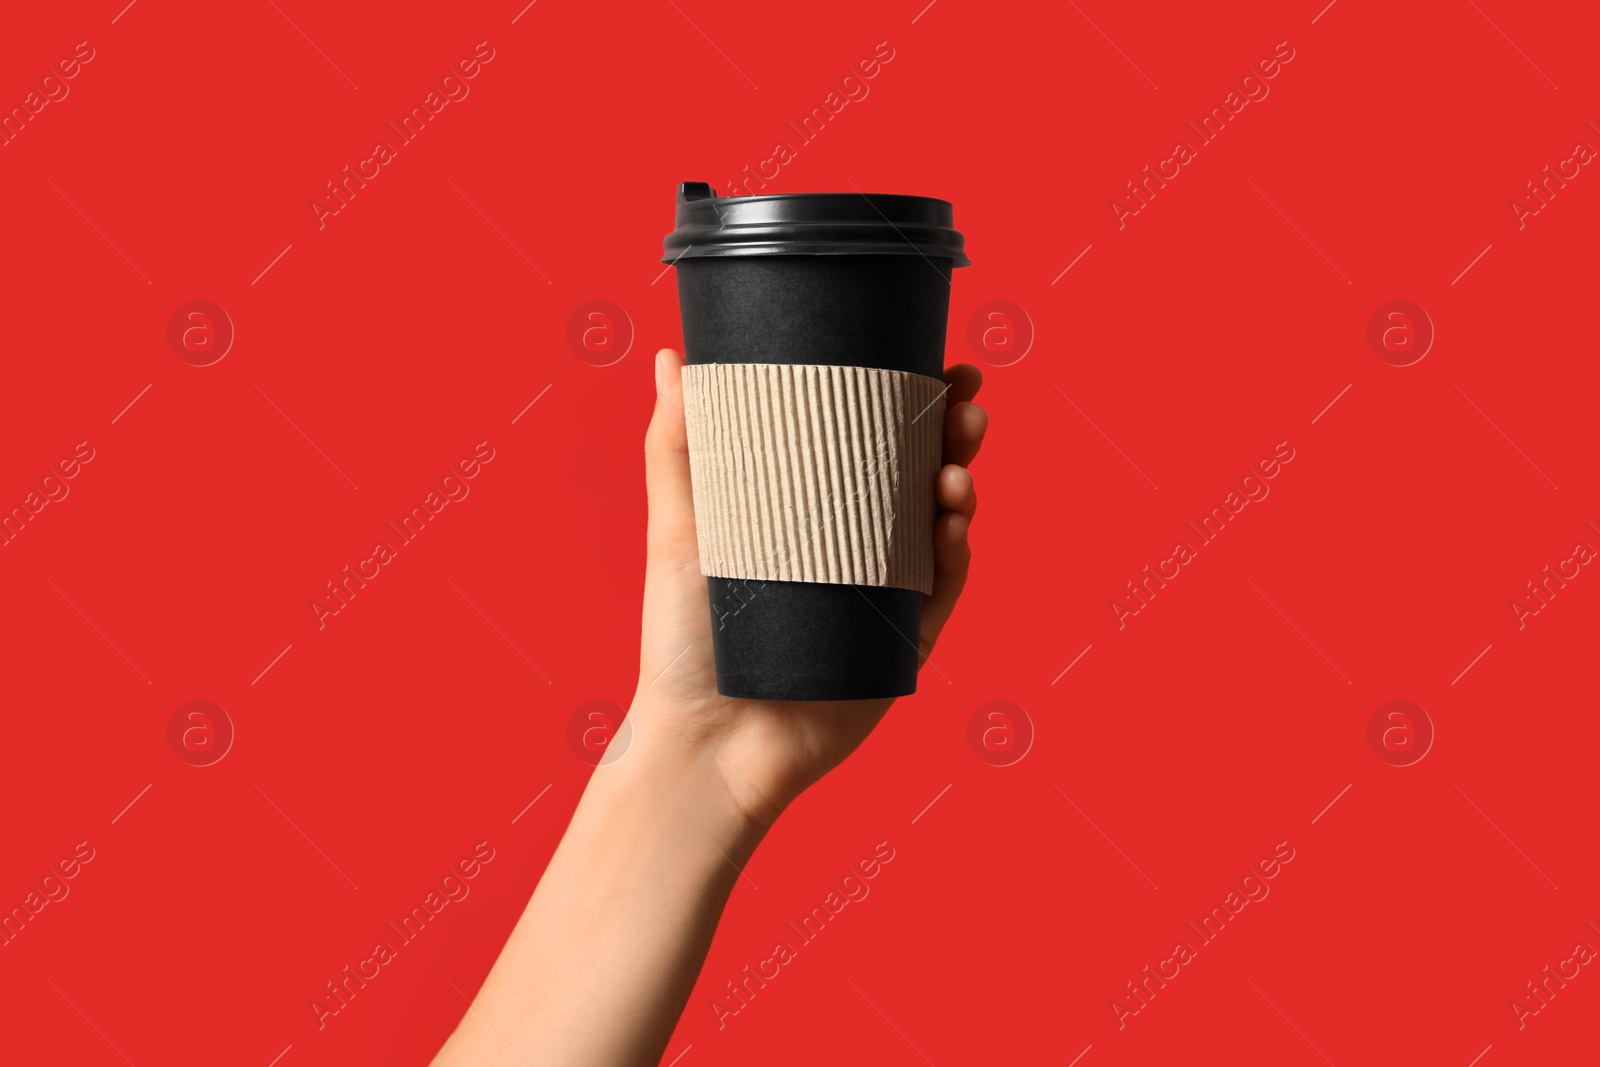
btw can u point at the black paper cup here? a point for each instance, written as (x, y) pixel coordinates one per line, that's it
(843, 279)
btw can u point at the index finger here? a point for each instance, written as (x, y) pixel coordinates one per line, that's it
(964, 381)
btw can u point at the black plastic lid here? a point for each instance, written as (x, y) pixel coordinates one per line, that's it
(812, 224)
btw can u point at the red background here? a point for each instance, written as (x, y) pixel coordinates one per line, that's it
(1223, 719)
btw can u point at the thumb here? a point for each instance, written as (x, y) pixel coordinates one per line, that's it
(671, 537)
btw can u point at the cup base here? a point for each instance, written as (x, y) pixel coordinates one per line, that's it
(810, 641)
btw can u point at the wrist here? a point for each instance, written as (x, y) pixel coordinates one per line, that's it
(680, 782)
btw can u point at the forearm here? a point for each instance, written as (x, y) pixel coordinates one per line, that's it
(604, 957)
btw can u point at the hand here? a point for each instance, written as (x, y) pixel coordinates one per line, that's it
(604, 957)
(767, 752)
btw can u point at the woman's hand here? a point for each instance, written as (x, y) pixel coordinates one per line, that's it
(765, 753)
(605, 956)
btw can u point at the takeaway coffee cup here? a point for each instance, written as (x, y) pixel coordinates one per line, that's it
(814, 328)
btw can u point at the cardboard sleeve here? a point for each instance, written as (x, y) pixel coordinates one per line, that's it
(807, 473)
